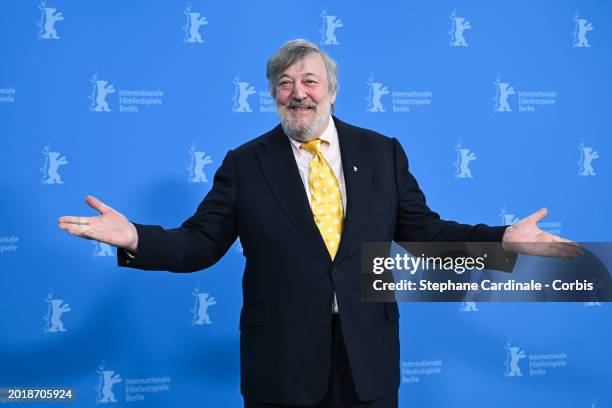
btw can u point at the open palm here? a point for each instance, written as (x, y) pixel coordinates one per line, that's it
(110, 226)
(526, 237)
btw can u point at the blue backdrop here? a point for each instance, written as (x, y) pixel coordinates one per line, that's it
(502, 108)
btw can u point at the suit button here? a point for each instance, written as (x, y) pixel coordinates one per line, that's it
(335, 269)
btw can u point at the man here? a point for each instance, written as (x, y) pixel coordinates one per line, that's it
(302, 198)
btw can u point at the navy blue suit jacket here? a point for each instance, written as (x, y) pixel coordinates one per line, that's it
(289, 276)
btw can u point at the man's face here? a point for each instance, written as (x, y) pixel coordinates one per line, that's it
(303, 101)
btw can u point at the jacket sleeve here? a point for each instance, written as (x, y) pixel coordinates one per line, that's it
(200, 241)
(417, 223)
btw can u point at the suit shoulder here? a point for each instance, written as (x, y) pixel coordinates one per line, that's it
(365, 134)
(371, 138)
(250, 145)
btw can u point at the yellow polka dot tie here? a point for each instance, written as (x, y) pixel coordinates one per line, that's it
(326, 199)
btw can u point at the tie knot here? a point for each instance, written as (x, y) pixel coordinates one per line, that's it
(314, 146)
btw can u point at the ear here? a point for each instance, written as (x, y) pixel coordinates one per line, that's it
(332, 97)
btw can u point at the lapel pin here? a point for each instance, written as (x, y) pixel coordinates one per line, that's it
(355, 168)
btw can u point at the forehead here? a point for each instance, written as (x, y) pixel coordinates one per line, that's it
(310, 64)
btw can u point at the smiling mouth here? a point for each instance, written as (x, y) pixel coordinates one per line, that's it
(300, 108)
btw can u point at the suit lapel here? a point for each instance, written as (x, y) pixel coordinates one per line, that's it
(357, 168)
(283, 177)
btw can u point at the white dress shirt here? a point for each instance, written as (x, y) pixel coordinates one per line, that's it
(331, 152)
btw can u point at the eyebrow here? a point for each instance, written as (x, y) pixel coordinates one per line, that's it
(303, 75)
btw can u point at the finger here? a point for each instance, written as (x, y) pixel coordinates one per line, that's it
(572, 248)
(564, 250)
(570, 244)
(74, 220)
(96, 204)
(567, 244)
(555, 252)
(538, 215)
(83, 231)
(557, 238)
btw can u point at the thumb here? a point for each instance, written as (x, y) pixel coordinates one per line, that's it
(98, 205)
(538, 215)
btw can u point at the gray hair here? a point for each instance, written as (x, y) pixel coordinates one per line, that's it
(294, 51)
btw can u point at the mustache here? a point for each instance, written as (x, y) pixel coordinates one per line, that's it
(301, 105)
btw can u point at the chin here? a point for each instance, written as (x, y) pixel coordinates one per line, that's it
(301, 118)
(301, 126)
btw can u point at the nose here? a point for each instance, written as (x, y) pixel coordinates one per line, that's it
(299, 92)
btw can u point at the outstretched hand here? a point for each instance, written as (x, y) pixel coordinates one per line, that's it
(110, 226)
(526, 237)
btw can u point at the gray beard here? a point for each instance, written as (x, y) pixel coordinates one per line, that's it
(308, 133)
